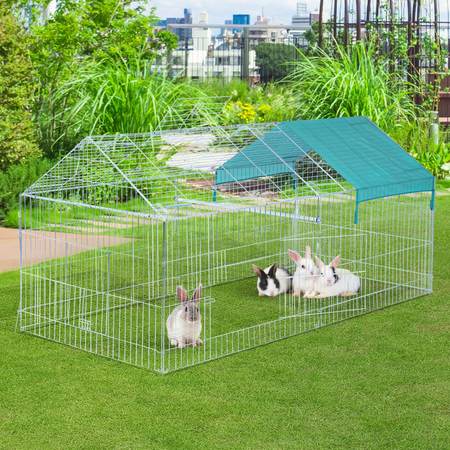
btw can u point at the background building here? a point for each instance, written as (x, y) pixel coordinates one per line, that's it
(226, 31)
(182, 33)
(240, 19)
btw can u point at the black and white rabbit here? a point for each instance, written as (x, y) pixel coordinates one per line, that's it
(184, 324)
(334, 281)
(273, 281)
(305, 275)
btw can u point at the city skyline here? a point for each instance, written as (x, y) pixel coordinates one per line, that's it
(281, 11)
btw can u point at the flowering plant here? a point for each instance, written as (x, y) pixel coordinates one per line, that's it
(241, 113)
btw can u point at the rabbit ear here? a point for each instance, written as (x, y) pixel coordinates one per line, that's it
(258, 271)
(335, 261)
(182, 294)
(294, 256)
(319, 263)
(308, 252)
(197, 294)
(273, 270)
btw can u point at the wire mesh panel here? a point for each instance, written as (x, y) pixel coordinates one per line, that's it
(132, 250)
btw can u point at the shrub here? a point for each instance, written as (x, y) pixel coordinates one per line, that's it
(17, 131)
(435, 159)
(14, 181)
(275, 60)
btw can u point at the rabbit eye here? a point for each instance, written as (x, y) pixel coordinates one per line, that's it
(197, 309)
(303, 267)
(185, 308)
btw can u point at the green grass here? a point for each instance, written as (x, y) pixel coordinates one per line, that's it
(351, 84)
(443, 186)
(127, 324)
(379, 381)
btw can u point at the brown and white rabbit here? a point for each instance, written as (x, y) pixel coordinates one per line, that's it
(273, 281)
(334, 281)
(184, 324)
(306, 273)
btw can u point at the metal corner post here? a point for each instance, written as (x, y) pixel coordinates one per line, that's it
(19, 316)
(163, 297)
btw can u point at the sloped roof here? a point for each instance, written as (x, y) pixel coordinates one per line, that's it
(353, 146)
(130, 162)
(272, 154)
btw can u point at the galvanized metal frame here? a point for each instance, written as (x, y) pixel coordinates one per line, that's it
(104, 246)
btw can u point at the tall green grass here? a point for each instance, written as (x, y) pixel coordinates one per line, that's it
(352, 82)
(116, 96)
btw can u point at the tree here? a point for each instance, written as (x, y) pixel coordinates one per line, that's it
(274, 60)
(17, 131)
(78, 32)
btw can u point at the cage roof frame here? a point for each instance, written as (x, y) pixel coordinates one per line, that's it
(355, 147)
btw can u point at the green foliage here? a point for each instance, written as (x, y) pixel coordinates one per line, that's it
(274, 60)
(409, 135)
(76, 34)
(435, 159)
(235, 88)
(270, 102)
(428, 51)
(97, 28)
(17, 131)
(328, 43)
(352, 83)
(14, 181)
(116, 95)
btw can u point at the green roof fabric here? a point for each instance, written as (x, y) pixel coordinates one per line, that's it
(274, 153)
(354, 146)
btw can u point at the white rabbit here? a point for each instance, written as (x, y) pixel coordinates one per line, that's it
(333, 281)
(273, 281)
(184, 324)
(303, 281)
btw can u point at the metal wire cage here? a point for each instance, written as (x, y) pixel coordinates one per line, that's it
(109, 234)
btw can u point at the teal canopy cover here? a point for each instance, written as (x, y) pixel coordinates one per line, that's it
(354, 146)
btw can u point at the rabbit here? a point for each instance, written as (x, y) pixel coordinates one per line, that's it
(305, 274)
(184, 324)
(273, 281)
(333, 281)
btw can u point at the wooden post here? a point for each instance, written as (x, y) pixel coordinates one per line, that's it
(358, 20)
(320, 24)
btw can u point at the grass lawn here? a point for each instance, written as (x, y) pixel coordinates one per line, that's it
(379, 381)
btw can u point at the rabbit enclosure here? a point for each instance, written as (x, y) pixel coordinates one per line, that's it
(111, 231)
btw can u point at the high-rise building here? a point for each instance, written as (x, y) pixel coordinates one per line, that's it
(262, 17)
(187, 15)
(226, 30)
(182, 33)
(240, 19)
(302, 8)
(302, 19)
(303, 16)
(203, 17)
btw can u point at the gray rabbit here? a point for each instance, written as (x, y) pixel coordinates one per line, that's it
(184, 324)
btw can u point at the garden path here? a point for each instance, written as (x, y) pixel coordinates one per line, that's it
(10, 250)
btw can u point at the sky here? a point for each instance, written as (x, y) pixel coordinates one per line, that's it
(275, 10)
(219, 11)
